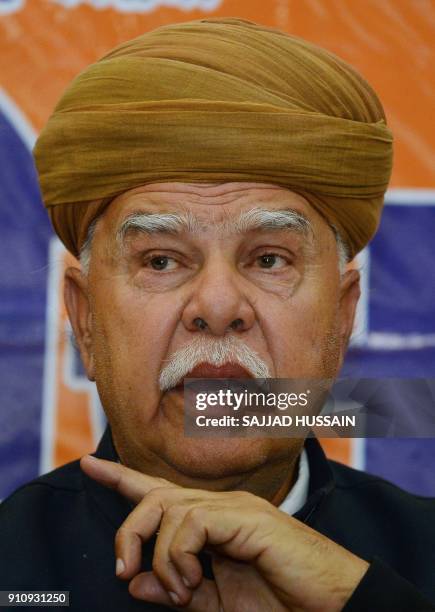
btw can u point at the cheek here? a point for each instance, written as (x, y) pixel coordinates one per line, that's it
(304, 330)
(131, 335)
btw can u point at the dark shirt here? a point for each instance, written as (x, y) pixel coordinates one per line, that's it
(57, 533)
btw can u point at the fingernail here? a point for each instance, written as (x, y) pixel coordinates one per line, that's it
(120, 566)
(174, 598)
(186, 582)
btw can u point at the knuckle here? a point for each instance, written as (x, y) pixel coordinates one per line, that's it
(156, 569)
(253, 502)
(155, 496)
(164, 483)
(248, 497)
(195, 514)
(158, 564)
(175, 551)
(123, 533)
(173, 513)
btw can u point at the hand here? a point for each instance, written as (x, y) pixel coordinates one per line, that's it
(263, 559)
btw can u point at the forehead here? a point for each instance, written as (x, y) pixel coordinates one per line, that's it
(210, 202)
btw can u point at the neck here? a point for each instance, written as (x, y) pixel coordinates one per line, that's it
(286, 486)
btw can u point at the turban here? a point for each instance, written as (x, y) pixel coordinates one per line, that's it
(217, 100)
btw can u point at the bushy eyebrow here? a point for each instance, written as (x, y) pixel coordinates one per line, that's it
(157, 223)
(262, 219)
(255, 219)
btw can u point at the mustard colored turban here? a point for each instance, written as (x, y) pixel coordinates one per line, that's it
(217, 100)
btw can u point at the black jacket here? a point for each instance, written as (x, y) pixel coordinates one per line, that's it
(57, 533)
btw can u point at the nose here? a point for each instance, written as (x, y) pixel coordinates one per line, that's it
(218, 304)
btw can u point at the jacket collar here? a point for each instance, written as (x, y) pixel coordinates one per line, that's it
(321, 481)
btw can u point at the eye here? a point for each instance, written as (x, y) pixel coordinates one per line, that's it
(162, 262)
(271, 260)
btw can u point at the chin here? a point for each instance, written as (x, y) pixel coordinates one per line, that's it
(212, 458)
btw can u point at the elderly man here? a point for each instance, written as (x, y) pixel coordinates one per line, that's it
(214, 177)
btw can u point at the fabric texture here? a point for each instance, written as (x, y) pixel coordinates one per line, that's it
(217, 100)
(57, 533)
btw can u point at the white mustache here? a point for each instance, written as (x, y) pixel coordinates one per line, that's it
(216, 352)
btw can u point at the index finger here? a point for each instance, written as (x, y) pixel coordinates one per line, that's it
(130, 483)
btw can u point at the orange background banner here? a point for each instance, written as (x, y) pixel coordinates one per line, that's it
(44, 45)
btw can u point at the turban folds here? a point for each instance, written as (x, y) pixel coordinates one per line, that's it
(217, 100)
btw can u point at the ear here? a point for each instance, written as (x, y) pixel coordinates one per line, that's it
(349, 295)
(77, 304)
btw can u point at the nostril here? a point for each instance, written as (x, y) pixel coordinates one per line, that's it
(199, 323)
(236, 323)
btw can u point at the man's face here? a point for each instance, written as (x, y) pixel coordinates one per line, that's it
(277, 290)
